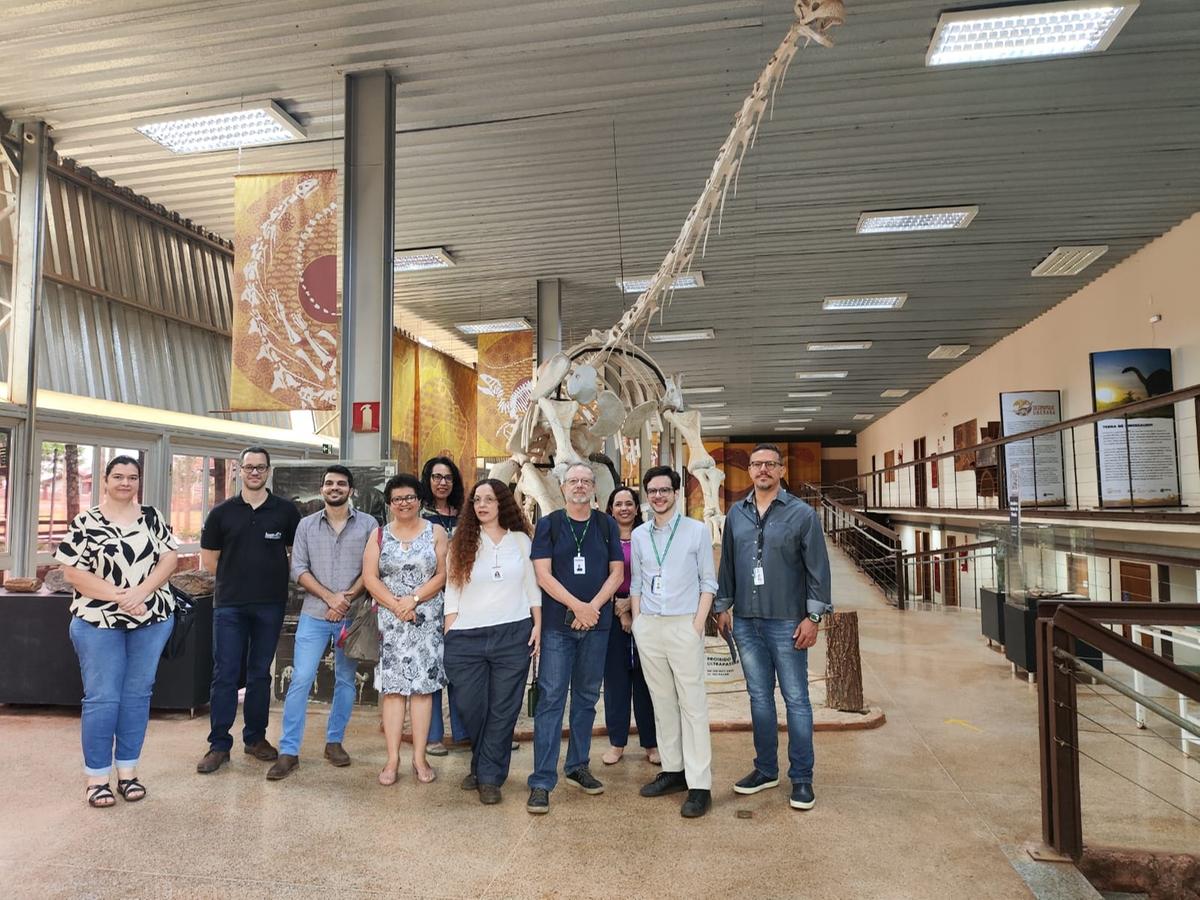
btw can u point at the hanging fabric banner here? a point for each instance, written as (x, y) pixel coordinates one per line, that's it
(446, 401)
(285, 314)
(404, 402)
(505, 371)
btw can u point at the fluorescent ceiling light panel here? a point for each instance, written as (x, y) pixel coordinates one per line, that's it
(948, 351)
(495, 326)
(1029, 31)
(934, 218)
(704, 427)
(841, 345)
(892, 393)
(804, 395)
(421, 258)
(863, 417)
(679, 283)
(714, 418)
(843, 431)
(792, 421)
(673, 337)
(713, 404)
(224, 128)
(1068, 261)
(863, 302)
(710, 389)
(790, 428)
(810, 376)
(802, 409)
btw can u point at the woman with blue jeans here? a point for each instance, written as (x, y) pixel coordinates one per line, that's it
(117, 557)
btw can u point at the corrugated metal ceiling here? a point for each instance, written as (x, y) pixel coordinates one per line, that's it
(508, 115)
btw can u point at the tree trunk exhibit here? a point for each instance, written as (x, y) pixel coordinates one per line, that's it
(843, 666)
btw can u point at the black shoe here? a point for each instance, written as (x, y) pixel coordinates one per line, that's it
(697, 804)
(665, 783)
(489, 794)
(754, 782)
(584, 779)
(538, 802)
(802, 796)
(469, 783)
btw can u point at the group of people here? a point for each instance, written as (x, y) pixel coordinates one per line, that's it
(468, 597)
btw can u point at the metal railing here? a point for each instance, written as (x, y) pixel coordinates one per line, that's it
(873, 548)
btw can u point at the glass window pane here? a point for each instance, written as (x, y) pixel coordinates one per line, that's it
(65, 490)
(187, 497)
(222, 474)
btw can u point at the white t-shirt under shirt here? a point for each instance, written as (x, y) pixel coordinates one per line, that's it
(489, 598)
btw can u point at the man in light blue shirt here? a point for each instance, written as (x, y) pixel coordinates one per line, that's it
(672, 582)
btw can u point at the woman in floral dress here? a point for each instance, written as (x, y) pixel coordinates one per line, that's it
(404, 569)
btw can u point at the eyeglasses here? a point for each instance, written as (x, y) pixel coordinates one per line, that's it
(407, 498)
(255, 470)
(484, 501)
(659, 492)
(764, 464)
(574, 482)
(436, 477)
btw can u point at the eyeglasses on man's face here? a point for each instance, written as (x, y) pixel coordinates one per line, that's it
(660, 491)
(256, 469)
(581, 482)
(403, 500)
(767, 464)
(437, 476)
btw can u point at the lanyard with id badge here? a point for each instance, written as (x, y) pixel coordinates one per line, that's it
(497, 573)
(656, 581)
(579, 563)
(761, 524)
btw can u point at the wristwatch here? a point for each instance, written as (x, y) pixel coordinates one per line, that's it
(813, 617)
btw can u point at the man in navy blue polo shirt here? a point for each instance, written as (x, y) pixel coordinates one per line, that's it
(579, 563)
(245, 540)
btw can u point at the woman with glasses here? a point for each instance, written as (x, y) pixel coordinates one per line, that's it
(623, 678)
(404, 569)
(442, 498)
(493, 627)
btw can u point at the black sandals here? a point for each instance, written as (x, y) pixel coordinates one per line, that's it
(130, 786)
(100, 796)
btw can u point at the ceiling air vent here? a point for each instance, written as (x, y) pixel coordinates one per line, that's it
(1068, 261)
(948, 351)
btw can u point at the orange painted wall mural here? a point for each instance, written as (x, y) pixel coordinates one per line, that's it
(505, 388)
(285, 312)
(803, 460)
(446, 411)
(404, 402)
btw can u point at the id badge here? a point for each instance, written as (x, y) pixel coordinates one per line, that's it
(656, 584)
(497, 575)
(580, 565)
(759, 578)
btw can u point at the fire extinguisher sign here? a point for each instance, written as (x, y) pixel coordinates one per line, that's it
(366, 417)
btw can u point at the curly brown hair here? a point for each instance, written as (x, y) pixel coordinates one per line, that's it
(465, 544)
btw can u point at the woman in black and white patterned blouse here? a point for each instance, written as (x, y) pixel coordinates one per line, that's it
(118, 556)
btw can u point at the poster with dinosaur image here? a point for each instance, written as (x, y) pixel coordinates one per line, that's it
(505, 373)
(1137, 457)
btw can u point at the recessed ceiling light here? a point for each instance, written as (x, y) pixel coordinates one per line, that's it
(804, 395)
(802, 409)
(863, 417)
(843, 431)
(948, 351)
(935, 218)
(808, 376)
(863, 302)
(894, 392)
(1068, 261)
(710, 389)
(422, 258)
(224, 128)
(792, 421)
(790, 428)
(1013, 33)
(843, 345)
(713, 404)
(673, 337)
(495, 326)
(678, 283)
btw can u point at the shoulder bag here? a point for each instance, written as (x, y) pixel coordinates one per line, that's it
(360, 639)
(184, 615)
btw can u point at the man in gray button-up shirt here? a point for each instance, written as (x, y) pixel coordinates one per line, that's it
(327, 560)
(775, 576)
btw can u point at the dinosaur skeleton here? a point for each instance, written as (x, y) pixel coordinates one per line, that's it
(606, 387)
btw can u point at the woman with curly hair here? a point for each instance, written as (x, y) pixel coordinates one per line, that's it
(493, 610)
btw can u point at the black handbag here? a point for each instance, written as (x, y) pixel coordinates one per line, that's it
(535, 692)
(183, 619)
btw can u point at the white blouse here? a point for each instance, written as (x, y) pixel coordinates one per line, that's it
(502, 587)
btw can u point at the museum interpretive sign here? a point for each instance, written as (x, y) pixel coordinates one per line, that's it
(1036, 465)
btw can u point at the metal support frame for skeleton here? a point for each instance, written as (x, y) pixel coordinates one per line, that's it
(575, 405)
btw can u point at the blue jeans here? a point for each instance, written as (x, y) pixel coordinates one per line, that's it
(767, 652)
(437, 728)
(571, 660)
(118, 667)
(242, 633)
(313, 637)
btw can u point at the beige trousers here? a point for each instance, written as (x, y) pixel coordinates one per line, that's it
(672, 657)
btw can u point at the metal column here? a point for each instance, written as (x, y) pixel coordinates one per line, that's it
(549, 318)
(23, 368)
(367, 257)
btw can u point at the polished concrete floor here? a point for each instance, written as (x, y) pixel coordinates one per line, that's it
(927, 806)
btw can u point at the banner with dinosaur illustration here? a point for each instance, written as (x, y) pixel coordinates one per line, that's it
(505, 374)
(1137, 455)
(285, 310)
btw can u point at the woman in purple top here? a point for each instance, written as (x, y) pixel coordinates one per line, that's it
(623, 679)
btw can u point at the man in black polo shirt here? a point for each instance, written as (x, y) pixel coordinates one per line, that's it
(245, 541)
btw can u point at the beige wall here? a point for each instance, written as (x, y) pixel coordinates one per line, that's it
(1051, 353)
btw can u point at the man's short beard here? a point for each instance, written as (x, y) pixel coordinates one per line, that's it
(342, 502)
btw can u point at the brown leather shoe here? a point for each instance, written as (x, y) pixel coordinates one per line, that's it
(337, 755)
(283, 767)
(211, 761)
(262, 750)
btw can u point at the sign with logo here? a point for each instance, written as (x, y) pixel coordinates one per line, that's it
(1039, 460)
(366, 417)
